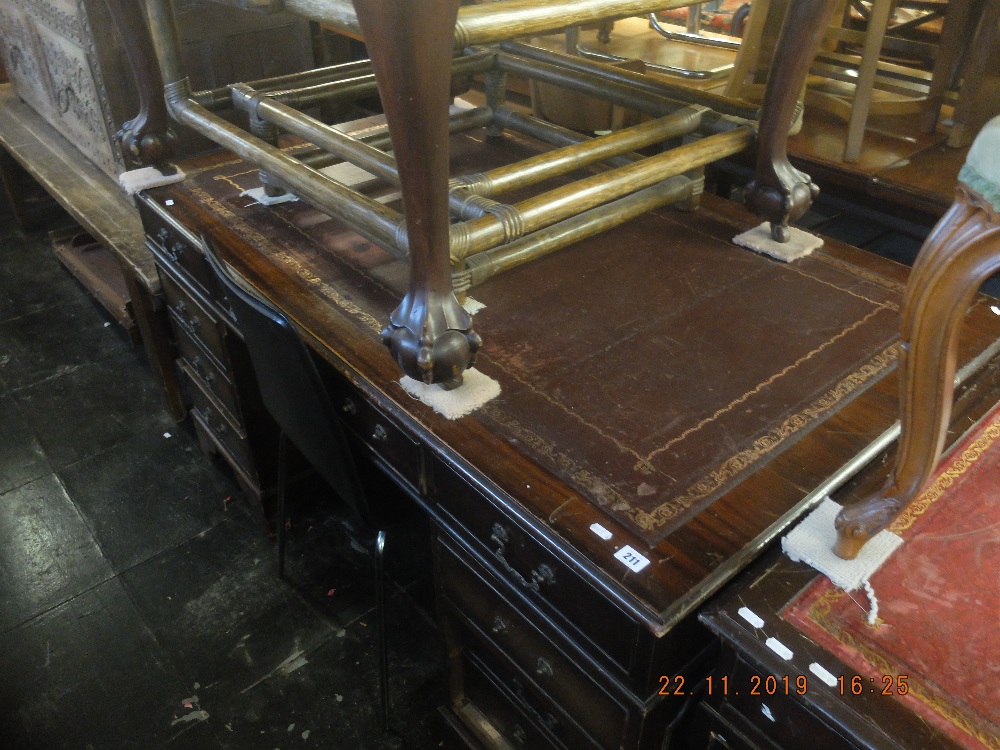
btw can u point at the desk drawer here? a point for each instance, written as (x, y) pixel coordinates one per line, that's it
(526, 562)
(522, 724)
(383, 437)
(533, 651)
(208, 369)
(177, 249)
(217, 423)
(779, 717)
(192, 317)
(490, 682)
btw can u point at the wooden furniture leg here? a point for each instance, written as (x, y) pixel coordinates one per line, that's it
(780, 193)
(878, 20)
(954, 32)
(410, 43)
(156, 340)
(146, 139)
(972, 106)
(962, 251)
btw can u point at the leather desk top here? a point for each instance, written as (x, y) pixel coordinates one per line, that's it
(686, 394)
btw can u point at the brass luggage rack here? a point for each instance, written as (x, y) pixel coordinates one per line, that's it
(455, 231)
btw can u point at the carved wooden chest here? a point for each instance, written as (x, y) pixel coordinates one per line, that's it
(66, 61)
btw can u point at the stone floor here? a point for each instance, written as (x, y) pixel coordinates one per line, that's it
(139, 601)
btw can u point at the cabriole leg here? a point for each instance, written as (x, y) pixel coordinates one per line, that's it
(780, 193)
(410, 43)
(961, 253)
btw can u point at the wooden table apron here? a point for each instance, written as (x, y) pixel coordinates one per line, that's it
(690, 563)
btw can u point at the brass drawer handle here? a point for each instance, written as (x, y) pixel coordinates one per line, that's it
(162, 236)
(547, 720)
(175, 251)
(519, 735)
(191, 323)
(219, 428)
(379, 435)
(544, 668)
(499, 626)
(203, 372)
(349, 407)
(542, 575)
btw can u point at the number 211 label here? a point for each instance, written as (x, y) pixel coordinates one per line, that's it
(632, 559)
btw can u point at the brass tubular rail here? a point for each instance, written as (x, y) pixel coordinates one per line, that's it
(637, 83)
(590, 84)
(478, 24)
(487, 264)
(543, 210)
(347, 147)
(378, 136)
(221, 97)
(369, 217)
(567, 159)
(554, 135)
(364, 85)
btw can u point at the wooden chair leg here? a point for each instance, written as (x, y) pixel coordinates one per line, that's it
(864, 88)
(961, 253)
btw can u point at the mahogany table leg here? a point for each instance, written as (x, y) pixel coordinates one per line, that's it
(961, 252)
(145, 139)
(410, 44)
(780, 193)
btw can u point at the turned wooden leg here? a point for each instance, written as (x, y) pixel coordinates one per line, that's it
(146, 139)
(410, 43)
(779, 193)
(962, 251)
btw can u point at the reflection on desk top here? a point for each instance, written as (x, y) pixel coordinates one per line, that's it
(688, 396)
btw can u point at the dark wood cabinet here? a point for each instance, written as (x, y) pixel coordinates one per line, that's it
(218, 380)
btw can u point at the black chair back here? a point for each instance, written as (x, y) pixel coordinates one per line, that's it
(291, 387)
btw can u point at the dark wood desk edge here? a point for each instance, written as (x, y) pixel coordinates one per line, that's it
(83, 189)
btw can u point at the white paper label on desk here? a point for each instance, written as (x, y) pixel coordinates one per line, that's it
(601, 531)
(632, 559)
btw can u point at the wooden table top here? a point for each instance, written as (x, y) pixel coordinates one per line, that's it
(523, 449)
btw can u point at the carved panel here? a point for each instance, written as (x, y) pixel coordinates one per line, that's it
(66, 61)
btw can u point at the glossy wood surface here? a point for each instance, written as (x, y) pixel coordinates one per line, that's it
(687, 565)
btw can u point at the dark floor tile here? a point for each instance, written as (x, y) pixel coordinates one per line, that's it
(331, 698)
(32, 280)
(89, 674)
(21, 455)
(47, 553)
(217, 605)
(94, 407)
(58, 341)
(330, 556)
(150, 493)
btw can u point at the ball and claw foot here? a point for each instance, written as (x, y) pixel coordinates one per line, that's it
(856, 524)
(441, 359)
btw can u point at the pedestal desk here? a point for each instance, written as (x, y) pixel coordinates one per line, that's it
(670, 404)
